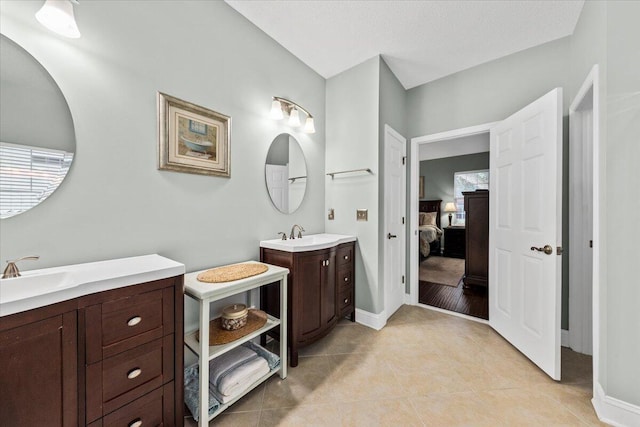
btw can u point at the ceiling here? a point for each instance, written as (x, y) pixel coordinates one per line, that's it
(420, 40)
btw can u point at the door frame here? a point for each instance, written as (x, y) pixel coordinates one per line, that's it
(402, 244)
(580, 314)
(414, 172)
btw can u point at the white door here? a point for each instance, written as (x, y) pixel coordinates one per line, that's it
(278, 185)
(525, 214)
(395, 149)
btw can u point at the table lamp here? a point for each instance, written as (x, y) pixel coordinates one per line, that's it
(450, 208)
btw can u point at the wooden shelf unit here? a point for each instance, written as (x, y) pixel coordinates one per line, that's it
(205, 294)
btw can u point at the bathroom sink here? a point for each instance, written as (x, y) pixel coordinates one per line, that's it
(311, 242)
(32, 283)
(37, 288)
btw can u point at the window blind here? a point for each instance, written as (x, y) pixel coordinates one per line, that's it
(28, 175)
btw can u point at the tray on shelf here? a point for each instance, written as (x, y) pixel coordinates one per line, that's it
(191, 339)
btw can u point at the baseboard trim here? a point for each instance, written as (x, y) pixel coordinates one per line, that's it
(372, 320)
(564, 337)
(614, 411)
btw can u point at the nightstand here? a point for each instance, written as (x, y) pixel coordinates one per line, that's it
(454, 242)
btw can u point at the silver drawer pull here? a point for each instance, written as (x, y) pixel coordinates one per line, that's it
(134, 321)
(346, 279)
(135, 423)
(346, 300)
(346, 257)
(134, 373)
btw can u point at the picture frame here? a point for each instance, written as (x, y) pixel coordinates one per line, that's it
(192, 139)
(421, 188)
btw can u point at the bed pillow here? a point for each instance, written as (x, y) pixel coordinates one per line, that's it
(427, 218)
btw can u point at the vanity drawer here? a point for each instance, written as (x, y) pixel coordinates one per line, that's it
(345, 279)
(153, 409)
(345, 254)
(120, 379)
(126, 317)
(123, 323)
(345, 302)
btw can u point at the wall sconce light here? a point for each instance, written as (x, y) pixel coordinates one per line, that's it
(450, 207)
(279, 106)
(57, 15)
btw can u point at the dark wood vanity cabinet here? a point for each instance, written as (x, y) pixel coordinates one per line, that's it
(112, 358)
(320, 290)
(476, 266)
(38, 367)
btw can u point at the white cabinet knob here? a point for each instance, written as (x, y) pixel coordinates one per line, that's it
(136, 423)
(134, 373)
(134, 321)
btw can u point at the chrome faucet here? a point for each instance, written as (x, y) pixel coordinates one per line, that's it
(293, 229)
(12, 269)
(284, 235)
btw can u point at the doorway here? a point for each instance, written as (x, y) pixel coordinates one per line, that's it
(583, 207)
(453, 173)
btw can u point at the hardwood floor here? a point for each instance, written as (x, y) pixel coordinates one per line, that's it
(472, 301)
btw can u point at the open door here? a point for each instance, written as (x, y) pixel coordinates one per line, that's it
(525, 216)
(395, 177)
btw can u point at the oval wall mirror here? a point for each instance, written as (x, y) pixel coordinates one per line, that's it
(286, 173)
(37, 138)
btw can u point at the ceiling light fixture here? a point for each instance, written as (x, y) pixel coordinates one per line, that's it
(280, 106)
(57, 15)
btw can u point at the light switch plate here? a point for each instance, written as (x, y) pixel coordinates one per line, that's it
(331, 214)
(362, 214)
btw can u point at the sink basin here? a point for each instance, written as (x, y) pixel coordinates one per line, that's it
(37, 288)
(311, 242)
(34, 283)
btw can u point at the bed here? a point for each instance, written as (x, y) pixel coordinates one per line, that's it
(429, 227)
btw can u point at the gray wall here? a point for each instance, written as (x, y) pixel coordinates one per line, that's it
(623, 175)
(352, 143)
(438, 178)
(34, 111)
(114, 202)
(392, 112)
(491, 92)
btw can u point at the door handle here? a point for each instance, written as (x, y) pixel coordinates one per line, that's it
(391, 236)
(547, 249)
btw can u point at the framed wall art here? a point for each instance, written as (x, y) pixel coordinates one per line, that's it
(192, 139)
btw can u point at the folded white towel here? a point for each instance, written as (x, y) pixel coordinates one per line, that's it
(238, 380)
(229, 361)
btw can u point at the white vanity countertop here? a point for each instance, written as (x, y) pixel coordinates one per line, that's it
(38, 288)
(311, 242)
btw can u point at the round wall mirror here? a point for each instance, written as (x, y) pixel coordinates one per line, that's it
(286, 173)
(37, 139)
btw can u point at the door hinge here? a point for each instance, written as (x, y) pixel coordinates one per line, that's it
(403, 220)
(590, 243)
(403, 279)
(559, 250)
(404, 159)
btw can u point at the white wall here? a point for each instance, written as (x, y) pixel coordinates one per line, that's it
(114, 202)
(352, 143)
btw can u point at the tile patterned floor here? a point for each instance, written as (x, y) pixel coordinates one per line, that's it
(424, 368)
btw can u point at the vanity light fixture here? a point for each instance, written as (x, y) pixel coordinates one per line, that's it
(57, 15)
(280, 106)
